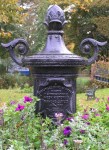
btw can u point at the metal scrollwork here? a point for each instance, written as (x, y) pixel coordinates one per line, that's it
(85, 47)
(22, 49)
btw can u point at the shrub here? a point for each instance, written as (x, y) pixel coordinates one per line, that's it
(26, 88)
(13, 80)
(82, 84)
(2, 69)
(6, 82)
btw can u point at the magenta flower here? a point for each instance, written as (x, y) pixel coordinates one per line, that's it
(27, 99)
(85, 116)
(88, 123)
(108, 98)
(107, 107)
(70, 119)
(82, 131)
(67, 131)
(65, 142)
(19, 107)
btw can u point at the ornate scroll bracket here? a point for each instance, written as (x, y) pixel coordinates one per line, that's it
(86, 45)
(22, 49)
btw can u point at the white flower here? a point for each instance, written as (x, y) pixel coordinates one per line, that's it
(11, 148)
(78, 141)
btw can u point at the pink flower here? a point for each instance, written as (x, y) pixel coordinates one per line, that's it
(108, 98)
(107, 107)
(97, 99)
(13, 102)
(19, 107)
(27, 99)
(88, 123)
(1, 111)
(85, 116)
(58, 115)
(97, 115)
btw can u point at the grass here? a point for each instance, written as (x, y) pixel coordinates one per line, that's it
(16, 94)
(7, 95)
(100, 93)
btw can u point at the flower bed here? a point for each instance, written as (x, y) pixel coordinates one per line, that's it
(21, 129)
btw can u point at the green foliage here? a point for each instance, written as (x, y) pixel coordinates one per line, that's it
(14, 80)
(77, 14)
(82, 84)
(11, 16)
(26, 88)
(86, 19)
(10, 11)
(40, 33)
(100, 18)
(23, 129)
(26, 131)
(34, 29)
(2, 69)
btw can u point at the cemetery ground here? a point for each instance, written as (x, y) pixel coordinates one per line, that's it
(21, 129)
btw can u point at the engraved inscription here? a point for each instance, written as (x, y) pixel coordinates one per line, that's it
(56, 99)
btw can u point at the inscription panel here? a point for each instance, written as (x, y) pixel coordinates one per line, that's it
(56, 99)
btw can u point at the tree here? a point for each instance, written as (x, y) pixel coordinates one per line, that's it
(27, 22)
(24, 20)
(34, 29)
(11, 14)
(100, 17)
(87, 18)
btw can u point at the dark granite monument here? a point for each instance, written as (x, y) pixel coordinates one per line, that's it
(55, 68)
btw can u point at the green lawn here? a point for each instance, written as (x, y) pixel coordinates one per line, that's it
(100, 93)
(16, 94)
(7, 95)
